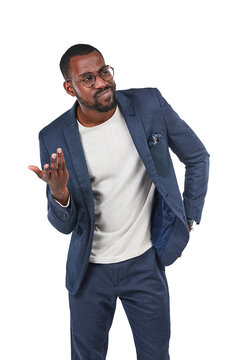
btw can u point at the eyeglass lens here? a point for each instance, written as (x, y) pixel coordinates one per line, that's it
(106, 75)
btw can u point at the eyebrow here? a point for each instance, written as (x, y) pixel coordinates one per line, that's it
(90, 73)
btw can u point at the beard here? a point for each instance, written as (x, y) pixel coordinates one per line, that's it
(108, 105)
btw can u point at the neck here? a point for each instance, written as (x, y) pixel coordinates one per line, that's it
(89, 117)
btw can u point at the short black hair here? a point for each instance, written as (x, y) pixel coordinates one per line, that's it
(75, 50)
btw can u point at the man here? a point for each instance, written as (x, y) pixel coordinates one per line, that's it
(111, 183)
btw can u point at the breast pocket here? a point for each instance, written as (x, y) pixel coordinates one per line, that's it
(160, 153)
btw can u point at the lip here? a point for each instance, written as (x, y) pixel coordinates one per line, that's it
(104, 93)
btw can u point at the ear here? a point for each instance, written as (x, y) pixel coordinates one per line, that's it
(69, 88)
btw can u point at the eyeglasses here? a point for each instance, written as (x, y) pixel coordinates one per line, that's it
(89, 79)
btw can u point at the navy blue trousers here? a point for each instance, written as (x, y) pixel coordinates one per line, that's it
(141, 285)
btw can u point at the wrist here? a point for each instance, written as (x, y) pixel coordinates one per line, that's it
(61, 196)
(190, 223)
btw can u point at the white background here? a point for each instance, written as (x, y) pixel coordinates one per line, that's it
(190, 51)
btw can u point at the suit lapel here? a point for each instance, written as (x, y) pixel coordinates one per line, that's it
(76, 152)
(135, 126)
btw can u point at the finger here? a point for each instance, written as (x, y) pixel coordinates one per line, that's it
(37, 171)
(60, 159)
(54, 162)
(46, 172)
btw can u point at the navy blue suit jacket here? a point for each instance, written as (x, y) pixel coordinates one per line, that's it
(154, 127)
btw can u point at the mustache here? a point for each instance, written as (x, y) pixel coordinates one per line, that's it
(100, 91)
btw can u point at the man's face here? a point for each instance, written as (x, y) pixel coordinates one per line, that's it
(100, 96)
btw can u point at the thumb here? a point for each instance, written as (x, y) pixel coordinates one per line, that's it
(35, 169)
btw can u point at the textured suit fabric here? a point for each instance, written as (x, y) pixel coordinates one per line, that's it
(140, 284)
(154, 127)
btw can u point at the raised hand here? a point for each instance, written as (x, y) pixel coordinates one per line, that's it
(56, 176)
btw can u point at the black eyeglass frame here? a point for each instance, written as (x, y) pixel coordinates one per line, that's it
(94, 76)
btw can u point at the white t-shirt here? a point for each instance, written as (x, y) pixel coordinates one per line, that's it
(122, 189)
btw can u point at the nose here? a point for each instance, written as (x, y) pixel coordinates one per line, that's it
(99, 83)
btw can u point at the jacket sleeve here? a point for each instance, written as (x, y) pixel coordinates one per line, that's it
(190, 150)
(64, 219)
